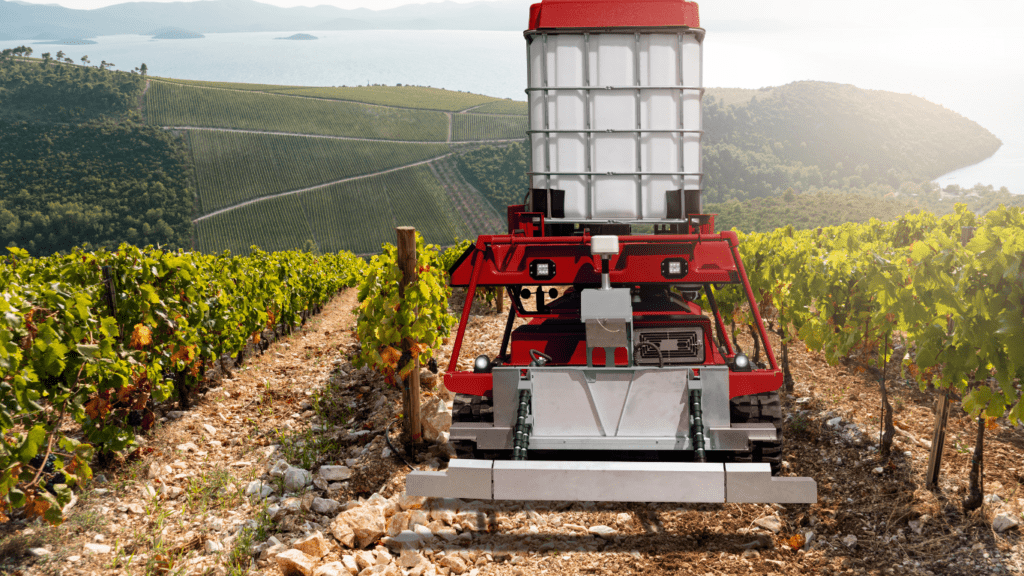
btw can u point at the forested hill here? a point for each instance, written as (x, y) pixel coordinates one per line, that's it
(77, 167)
(806, 137)
(804, 134)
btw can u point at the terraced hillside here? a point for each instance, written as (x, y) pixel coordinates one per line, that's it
(287, 167)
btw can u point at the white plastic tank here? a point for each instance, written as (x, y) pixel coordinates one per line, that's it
(615, 112)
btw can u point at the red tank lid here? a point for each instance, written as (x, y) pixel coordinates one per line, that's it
(613, 14)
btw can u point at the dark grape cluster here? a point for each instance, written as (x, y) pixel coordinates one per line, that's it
(48, 471)
(135, 418)
(37, 461)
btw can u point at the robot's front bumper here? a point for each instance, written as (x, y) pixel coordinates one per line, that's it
(611, 482)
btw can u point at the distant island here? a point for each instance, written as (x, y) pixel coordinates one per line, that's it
(175, 34)
(70, 42)
(299, 37)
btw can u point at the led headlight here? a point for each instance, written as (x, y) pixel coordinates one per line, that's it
(741, 363)
(542, 269)
(674, 268)
(482, 364)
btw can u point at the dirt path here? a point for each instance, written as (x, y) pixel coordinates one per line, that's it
(142, 101)
(302, 402)
(301, 190)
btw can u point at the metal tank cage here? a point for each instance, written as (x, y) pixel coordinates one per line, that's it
(638, 89)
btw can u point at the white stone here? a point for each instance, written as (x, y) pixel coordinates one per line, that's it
(454, 563)
(771, 523)
(849, 540)
(606, 532)
(295, 563)
(365, 559)
(406, 539)
(366, 522)
(174, 414)
(296, 479)
(187, 447)
(332, 569)
(435, 417)
(335, 473)
(878, 470)
(259, 488)
(213, 545)
(834, 421)
(210, 429)
(418, 518)
(279, 469)
(270, 552)
(1004, 522)
(93, 548)
(314, 545)
(343, 533)
(325, 506)
(349, 562)
(39, 552)
(409, 559)
(407, 502)
(916, 526)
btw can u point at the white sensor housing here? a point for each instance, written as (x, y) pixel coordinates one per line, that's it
(604, 245)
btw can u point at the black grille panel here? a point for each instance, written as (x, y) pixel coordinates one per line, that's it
(677, 345)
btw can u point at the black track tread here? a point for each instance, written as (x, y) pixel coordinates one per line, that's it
(468, 408)
(760, 409)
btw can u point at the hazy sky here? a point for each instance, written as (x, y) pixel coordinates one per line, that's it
(974, 14)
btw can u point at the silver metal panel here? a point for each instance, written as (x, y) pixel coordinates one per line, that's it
(564, 404)
(606, 304)
(738, 436)
(505, 385)
(607, 334)
(609, 481)
(605, 403)
(464, 478)
(658, 405)
(754, 483)
(486, 436)
(714, 385)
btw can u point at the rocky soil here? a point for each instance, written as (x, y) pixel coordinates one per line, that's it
(287, 465)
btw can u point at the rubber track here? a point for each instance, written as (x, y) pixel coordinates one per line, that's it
(764, 408)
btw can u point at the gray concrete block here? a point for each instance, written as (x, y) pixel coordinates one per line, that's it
(754, 483)
(465, 478)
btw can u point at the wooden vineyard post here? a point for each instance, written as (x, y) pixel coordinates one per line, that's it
(411, 389)
(500, 302)
(942, 408)
(111, 295)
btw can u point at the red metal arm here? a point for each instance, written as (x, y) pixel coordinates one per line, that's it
(470, 293)
(753, 306)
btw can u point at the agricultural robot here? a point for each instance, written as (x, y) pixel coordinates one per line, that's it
(621, 386)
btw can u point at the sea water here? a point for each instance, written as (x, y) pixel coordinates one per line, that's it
(924, 63)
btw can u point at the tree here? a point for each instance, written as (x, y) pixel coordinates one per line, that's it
(60, 55)
(85, 60)
(143, 69)
(46, 59)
